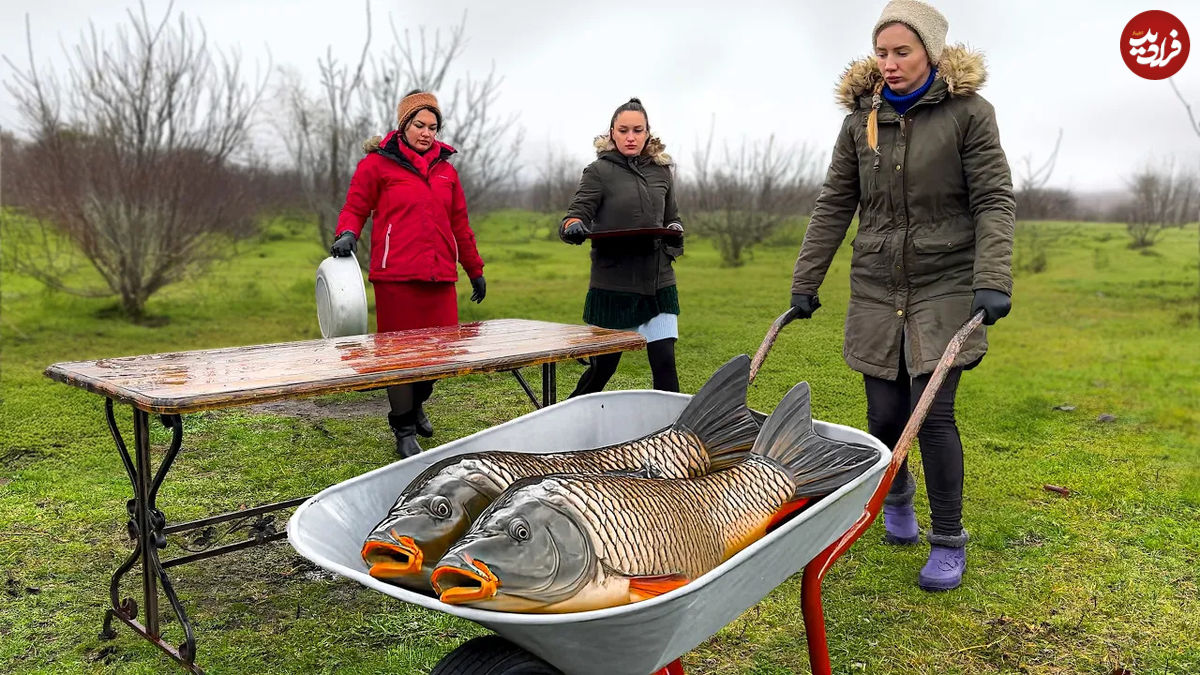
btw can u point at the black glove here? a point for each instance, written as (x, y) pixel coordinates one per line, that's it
(805, 304)
(674, 239)
(995, 305)
(479, 286)
(344, 245)
(573, 231)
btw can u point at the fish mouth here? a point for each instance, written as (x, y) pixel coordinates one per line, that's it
(456, 585)
(390, 560)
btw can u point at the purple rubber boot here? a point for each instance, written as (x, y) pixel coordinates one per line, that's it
(947, 562)
(899, 517)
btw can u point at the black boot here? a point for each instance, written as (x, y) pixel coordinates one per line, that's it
(405, 429)
(424, 427)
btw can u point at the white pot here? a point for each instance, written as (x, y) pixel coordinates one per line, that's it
(341, 298)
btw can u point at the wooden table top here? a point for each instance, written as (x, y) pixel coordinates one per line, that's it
(182, 382)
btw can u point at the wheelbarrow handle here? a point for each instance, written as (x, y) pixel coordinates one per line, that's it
(814, 572)
(917, 418)
(769, 341)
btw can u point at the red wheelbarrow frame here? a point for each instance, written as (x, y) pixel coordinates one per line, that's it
(814, 571)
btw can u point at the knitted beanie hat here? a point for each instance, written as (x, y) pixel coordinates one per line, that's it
(924, 20)
(414, 103)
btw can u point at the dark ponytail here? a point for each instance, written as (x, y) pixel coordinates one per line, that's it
(633, 104)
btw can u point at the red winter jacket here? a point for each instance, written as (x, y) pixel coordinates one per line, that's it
(420, 230)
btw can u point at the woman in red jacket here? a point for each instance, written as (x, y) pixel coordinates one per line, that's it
(419, 236)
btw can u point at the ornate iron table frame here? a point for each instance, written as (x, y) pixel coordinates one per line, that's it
(148, 393)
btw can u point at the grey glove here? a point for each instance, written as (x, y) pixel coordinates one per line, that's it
(344, 245)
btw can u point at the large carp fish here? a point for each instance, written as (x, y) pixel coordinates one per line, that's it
(440, 504)
(575, 543)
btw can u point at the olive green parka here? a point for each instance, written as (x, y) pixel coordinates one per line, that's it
(936, 217)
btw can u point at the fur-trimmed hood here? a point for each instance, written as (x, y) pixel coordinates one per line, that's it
(655, 149)
(962, 69)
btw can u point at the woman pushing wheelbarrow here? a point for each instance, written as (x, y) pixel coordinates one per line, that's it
(919, 158)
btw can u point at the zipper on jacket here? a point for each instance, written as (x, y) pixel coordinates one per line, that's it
(387, 245)
(904, 176)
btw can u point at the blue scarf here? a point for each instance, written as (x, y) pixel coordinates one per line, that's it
(902, 102)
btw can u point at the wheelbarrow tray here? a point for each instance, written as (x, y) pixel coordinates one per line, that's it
(635, 639)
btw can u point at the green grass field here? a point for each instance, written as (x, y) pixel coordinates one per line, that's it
(1101, 580)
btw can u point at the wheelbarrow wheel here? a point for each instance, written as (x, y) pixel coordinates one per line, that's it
(492, 655)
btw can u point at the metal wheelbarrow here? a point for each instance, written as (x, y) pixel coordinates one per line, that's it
(642, 638)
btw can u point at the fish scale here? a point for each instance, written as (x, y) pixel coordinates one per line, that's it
(671, 453)
(642, 531)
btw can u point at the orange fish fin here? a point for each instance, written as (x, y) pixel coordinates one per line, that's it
(653, 586)
(786, 511)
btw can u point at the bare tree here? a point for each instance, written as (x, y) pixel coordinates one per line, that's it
(743, 199)
(1163, 197)
(554, 184)
(133, 155)
(325, 134)
(1196, 128)
(1035, 201)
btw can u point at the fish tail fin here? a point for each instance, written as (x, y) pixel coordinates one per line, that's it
(817, 465)
(718, 414)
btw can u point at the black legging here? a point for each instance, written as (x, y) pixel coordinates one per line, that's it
(889, 403)
(405, 397)
(662, 368)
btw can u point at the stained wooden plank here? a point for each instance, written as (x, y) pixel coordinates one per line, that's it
(182, 382)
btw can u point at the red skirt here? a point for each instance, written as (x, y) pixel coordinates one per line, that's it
(403, 305)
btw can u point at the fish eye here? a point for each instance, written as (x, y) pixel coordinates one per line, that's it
(439, 507)
(518, 529)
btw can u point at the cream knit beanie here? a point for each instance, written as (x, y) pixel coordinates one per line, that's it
(924, 20)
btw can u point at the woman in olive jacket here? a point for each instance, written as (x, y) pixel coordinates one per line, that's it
(919, 158)
(629, 187)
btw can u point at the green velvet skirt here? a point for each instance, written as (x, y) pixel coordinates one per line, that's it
(620, 310)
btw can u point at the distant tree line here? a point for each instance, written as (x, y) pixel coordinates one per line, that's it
(138, 155)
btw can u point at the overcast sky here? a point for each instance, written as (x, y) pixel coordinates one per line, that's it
(760, 67)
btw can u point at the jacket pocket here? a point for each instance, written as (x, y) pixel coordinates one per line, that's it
(387, 246)
(605, 259)
(870, 266)
(943, 243)
(865, 243)
(943, 258)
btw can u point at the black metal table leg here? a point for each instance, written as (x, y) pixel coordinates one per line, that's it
(549, 383)
(145, 525)
(527, 389)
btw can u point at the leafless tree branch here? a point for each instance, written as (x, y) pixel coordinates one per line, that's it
(132, 157)
(1163, 197)
(744, 198)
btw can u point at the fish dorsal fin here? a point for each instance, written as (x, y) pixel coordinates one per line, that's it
(718, 414)
(645, 587)
(817, 465)
(786, 511)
